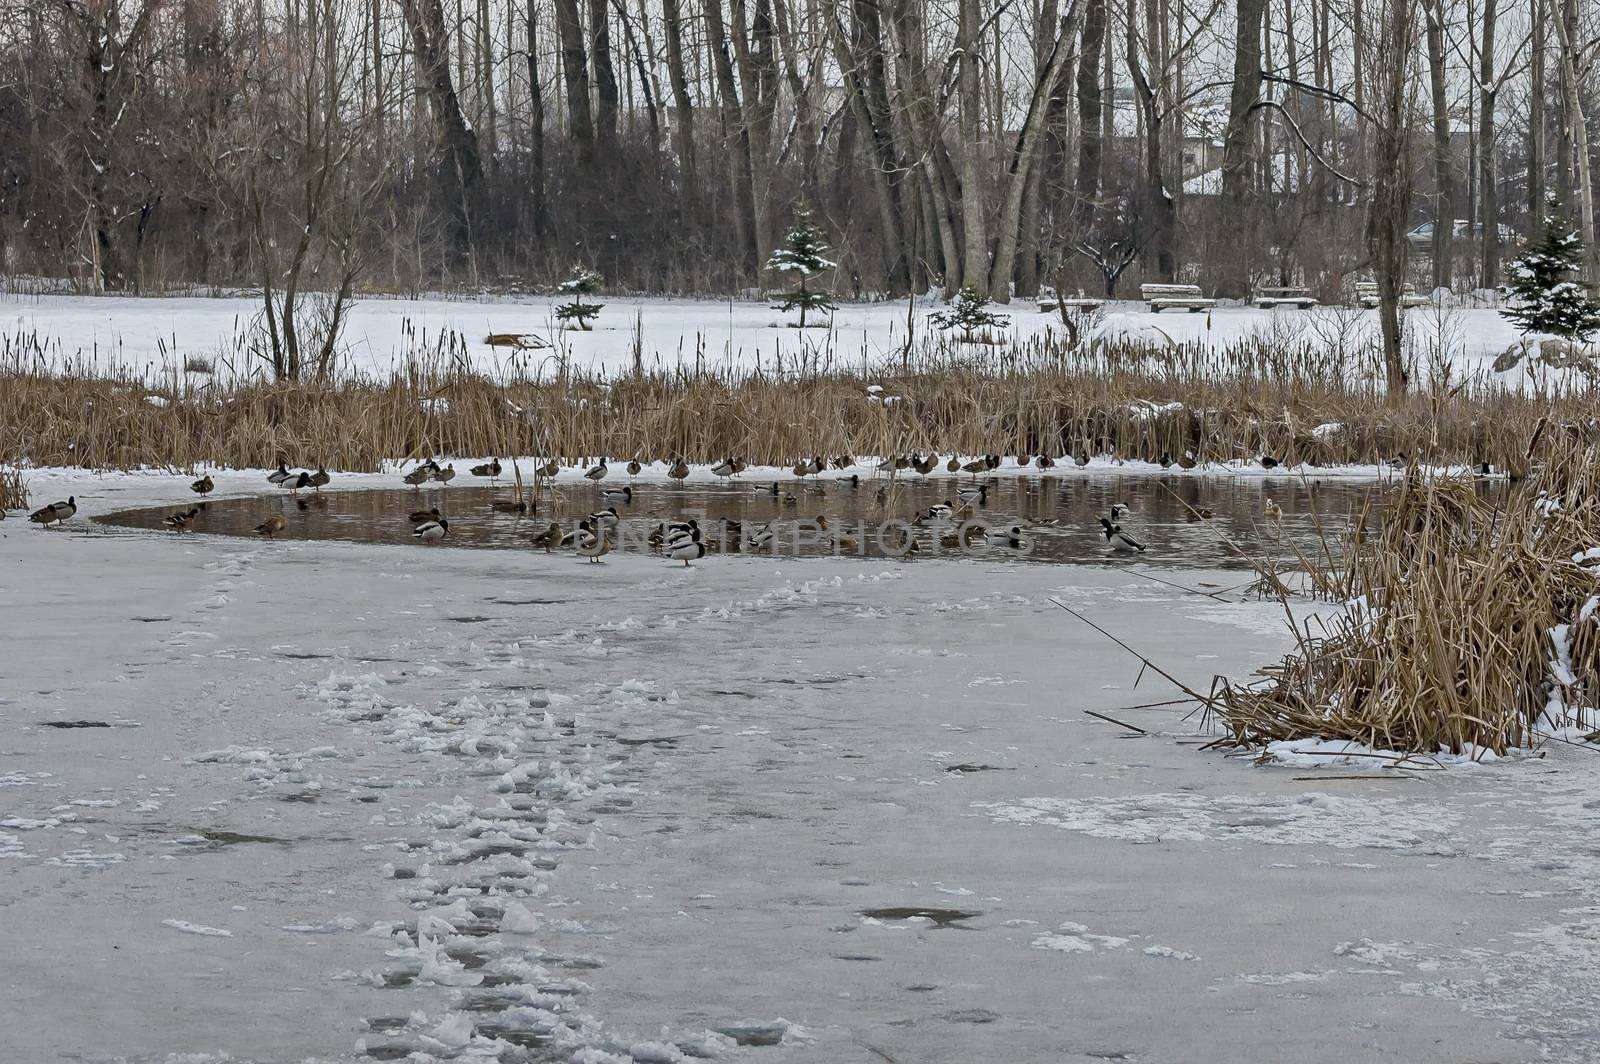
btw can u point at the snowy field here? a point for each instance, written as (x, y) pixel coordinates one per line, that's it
(155, 335)
(354, 802)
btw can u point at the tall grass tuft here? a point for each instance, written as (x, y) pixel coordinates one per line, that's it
(1469, 626)
(13, 489)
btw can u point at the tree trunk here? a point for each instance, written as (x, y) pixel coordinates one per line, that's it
(1160, 212)
(575, 72)
(1086, 190)
(606, 97)
(1537, 161)
(734, 129)
(1575, 131)
(1238, 236)
(1444, 186)
(682, 102)
(539, 209)
(1389, 81)
(1488, 194)
(974, 235)
(459, 166)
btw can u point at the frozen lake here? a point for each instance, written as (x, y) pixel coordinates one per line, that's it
(347, 801)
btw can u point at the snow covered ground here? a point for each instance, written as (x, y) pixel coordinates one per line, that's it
(156, 335)
(362, 799)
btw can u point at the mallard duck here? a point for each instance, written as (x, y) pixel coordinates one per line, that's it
(56, 512)
(605, 519)
(1081, 459)
(271, 526)
(594, 545)
(679, 470)
(514, 505)
(842, 543)
(549, 538)
(597, 473)
(623, 495)
(1009, 538)
(320, 478)
(432, 531)
(419, 476)
(935, 514)
(854, 480)
(927, 465)
(953, 466)
(204, 486)
(1044, 461)
(974, 495)
(1119, 510)
(976, 466)
(1274, 511)
(843, 461)
(1165, 461)
(577, 535)
(1117, 538)
(1187, 461)
(445, 475)
(296, 481)
(725, 468)
(763, 538)
(279, 475)
(888, 464)
(1268, 462)
(488, 469)
(180, 521)
(810, 466)
(634, 467)
(685, 550)
(549, 469)
(423, 516)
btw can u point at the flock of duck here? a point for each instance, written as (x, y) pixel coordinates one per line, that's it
(682, 540)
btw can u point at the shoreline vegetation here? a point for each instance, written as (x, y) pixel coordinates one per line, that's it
(1295, 404)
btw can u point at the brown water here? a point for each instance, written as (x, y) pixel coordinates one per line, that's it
(1059, 515)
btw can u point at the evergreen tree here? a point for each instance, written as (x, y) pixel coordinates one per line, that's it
(1546, 297)
(802, 254)
(583, 282)
(969, 312)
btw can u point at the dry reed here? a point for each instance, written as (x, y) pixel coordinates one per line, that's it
(1250, 399)
(13, 490)
(1469, 624)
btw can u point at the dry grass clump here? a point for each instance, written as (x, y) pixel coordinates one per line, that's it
(1469, 624)
(1243, 402)
(13, 490)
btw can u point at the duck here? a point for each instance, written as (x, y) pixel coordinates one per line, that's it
(1268, 462)
(904, 543)
(686, 549)
(854, 480)
(595, 548)
(843, 461)
(973, 496)
(271, 526)
(279, 475)
(1201, 513)
(926, 465)
(1165, 461)
(320, 478)
(1274, 511)
(419, 476)
(842, 543)
(549, 469)
(605, 519)
(953, 466)
(1010, 538)
(976, 466)
(446, 475)
(1044, 461)
(1081, 459)
(763, 538)
(577, 535)
(516, 505)
(1118, 539)
(204, 486)
(597, 473)
(179, 521)
(935, 514)
(1187, 461)
(296, 481)
(432, 531)
(488, 469)
(725, 468)
(1119, 510)
(810, 466)
(419, 517)
(679, 470)
(679, 529)
(56, 512)
(634, 468)
(623, 494)
(549, 538)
